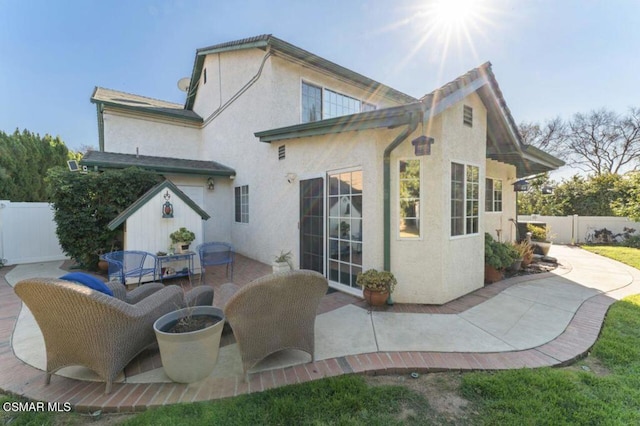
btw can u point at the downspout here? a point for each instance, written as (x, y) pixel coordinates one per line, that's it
(414, 120)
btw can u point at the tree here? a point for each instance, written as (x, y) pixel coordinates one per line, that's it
(549, 136)
(25, 158)
(627, 202)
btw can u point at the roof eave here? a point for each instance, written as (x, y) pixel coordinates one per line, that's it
(146, 110)
(158, 169)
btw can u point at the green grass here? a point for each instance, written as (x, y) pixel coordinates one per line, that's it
(628, 255)
(338, 400)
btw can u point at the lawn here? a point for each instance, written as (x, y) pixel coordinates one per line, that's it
(604, 388)
(628, 255)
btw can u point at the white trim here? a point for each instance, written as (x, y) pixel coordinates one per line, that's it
(355, 291)
(492, 198)
(464, 190)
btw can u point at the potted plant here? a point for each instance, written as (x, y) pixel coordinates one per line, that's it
(497, 257)
(376, 286)
(189, 342)
(525, 252)
(540, 238)
(181, 239)
(282, 262)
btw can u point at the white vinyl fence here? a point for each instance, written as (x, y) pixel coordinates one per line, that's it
(579, 229)
(28, 233)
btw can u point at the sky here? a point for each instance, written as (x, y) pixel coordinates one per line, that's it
(551, 58)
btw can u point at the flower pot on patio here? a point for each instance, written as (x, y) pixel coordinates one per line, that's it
(491, 274)
(375, 298)
(189, 356)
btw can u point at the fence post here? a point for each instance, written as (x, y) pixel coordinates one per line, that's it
(574, 230)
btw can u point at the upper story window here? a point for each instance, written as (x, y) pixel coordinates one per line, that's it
(242, 204)
(320, 104)
(493, 195)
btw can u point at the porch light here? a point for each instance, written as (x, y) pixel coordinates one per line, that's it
(167, 207)
(210, 184)
(422, 145)
(521, 186)
(547, 190)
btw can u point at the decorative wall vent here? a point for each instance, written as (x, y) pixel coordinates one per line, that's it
(281, 152)
(467, 116)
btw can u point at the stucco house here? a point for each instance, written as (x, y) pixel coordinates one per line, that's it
(285, 150)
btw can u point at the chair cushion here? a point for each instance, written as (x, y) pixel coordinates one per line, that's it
(88, 280)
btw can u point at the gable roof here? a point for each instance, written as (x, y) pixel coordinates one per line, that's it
(114, 160)
(290, 52)
(504, 142)
(166, 184)
(142, 104)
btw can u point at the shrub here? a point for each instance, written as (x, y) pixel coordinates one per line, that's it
(499, 255)
(525, 251)
(538, 233)
(377, 280)
(633, 241)
(85, 203)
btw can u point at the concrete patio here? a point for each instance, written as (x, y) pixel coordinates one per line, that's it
(528, 321)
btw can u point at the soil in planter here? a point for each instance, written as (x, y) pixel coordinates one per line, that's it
(193, 323)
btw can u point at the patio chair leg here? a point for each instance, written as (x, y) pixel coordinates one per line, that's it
(47, 378)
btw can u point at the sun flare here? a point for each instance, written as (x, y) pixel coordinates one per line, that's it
(454, 14)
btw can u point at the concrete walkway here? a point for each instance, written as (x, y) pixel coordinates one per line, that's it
(529, 321)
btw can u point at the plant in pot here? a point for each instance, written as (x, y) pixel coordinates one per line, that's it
(497, 257)
(525, 252)
(376, 286)
(540, 238)
(189, 342)
(282, 262)
(181, 239)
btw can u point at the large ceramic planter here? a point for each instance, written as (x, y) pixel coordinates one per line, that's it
(491, 274)
(192, 356)
(541, 247)
(375, 298)
(515, 266)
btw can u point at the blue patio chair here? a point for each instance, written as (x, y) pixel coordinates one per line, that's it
(130, 264)
(216, 253)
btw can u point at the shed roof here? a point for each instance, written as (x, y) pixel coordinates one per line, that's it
(166, 184)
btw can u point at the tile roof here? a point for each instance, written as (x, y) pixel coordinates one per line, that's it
(130, 101)
(159, 164)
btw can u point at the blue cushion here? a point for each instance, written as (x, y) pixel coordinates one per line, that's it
(88, 280)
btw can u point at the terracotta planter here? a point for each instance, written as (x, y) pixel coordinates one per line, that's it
(375, 298)
(491, 274)
(192, 356)
(103, 265)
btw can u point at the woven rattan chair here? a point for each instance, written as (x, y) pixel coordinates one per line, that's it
(274, 313)
(85, 327)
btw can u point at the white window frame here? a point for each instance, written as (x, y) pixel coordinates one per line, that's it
(244, 204)
(323, 90)
(493, 195)
(466, 215)
(420, 202)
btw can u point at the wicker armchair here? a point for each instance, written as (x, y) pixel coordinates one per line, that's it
(275, 312)
(85, 327)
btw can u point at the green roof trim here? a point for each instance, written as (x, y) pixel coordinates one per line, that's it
(287, 50)
(116, 160)
(166, 184)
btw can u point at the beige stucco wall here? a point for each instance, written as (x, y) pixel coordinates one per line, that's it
(123, 134)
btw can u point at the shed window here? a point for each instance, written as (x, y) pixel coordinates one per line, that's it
(242, 203)
(493, 195)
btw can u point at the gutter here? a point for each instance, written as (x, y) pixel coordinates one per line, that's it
(412, 125)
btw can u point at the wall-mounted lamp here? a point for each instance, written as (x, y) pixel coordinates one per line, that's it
(167, 207)
(521, 186)
(546, 190)
(210, 184)
(422, 145)
(291, 177)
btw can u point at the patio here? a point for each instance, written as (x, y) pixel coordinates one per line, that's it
(527, 321)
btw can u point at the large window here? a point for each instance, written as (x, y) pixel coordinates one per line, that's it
(242, 203)
(409, 209)
(320, 104)
(345, 227)
(465, 185)
(493, 195)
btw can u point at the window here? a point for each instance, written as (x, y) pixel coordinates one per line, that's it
(467, 116)
(242, 204)
(493, 195)
(464, 199)
(409, 177)
(320, 104)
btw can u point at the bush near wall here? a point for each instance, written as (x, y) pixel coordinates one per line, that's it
(85, 203)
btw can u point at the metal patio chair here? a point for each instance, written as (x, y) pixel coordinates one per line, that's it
(130, 264)
(216, 253)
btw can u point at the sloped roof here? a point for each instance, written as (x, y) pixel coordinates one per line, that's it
(280, 47)
(114, 160)
(131, 102)
(504, 142)
(166, 184)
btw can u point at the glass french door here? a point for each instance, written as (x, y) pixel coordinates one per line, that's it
(344, 230)
(312, 220)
